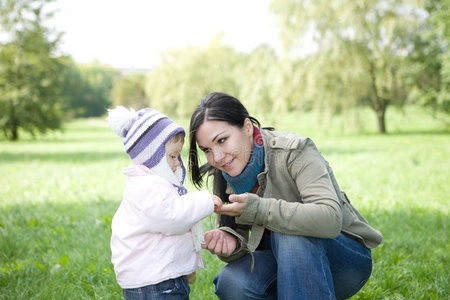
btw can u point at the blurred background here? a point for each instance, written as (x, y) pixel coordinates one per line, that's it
(62, 59)
(368, 80)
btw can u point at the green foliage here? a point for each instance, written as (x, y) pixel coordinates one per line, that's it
(368, 54)
(363, 49)
(37, 88)
(376, 53)
(185, 76)
(129, 91)
(30, 84)
(259, 79)
(60, 192)
(99, 79)
(431, 58)
(87, 88)
(261, 82)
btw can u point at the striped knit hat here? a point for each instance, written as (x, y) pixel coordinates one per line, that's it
(144, 134)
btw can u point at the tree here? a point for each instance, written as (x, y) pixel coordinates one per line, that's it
(431, 58)
(370, 38)
(185, 76)
(266, 83)
(74, 89)
(29, 81)
(129, 90)
(87, 88)
(98, 82)
(257, 82)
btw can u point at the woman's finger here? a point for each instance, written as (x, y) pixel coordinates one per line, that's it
(241, 198)
(230, 209)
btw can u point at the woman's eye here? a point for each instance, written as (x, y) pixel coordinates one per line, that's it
(222, 140)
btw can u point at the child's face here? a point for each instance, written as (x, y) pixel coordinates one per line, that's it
(173, 151)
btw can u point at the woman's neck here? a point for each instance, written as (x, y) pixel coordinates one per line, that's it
(245, 181)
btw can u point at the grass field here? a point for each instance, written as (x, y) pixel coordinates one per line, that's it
(58, 194)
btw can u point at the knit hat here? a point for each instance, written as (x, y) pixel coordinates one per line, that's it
(144, 134)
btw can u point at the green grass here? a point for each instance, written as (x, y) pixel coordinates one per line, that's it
(58, 194)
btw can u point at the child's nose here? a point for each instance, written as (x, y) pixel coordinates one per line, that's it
(177, 162)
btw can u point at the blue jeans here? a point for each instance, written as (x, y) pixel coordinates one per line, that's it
(171, 289)
(298, 267)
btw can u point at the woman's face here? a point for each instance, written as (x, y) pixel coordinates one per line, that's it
(227, 147)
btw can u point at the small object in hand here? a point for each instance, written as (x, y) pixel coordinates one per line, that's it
(192, 277)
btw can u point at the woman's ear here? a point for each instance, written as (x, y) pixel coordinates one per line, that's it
(248, 127)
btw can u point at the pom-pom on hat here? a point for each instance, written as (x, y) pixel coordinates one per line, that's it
(144, 133)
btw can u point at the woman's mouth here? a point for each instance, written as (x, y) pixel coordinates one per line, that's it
(228, 164)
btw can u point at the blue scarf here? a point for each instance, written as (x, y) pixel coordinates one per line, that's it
(245, 181)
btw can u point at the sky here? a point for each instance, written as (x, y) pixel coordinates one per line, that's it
(133, 33)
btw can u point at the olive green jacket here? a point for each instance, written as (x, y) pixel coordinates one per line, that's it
(298, 195)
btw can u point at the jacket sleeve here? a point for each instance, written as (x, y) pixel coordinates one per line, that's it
(164, 211)
(241, 233)
(317, 210)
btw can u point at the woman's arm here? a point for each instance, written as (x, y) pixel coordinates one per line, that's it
(316, 213)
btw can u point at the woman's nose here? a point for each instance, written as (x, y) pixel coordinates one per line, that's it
(218, 156)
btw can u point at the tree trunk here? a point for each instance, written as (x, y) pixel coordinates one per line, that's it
(14, 134)
(377, 103)
(381, 119)
(14, 125)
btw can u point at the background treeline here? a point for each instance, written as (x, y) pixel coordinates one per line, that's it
(374, 53)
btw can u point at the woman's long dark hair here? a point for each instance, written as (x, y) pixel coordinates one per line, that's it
(215, 107)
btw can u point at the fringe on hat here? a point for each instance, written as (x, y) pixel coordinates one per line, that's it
(119, 119)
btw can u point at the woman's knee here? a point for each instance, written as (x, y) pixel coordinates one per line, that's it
(237, 281)
(228, 282)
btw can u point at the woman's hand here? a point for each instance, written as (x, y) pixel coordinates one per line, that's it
(220, 242)
(236, 207)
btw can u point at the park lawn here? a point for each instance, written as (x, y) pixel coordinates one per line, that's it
(58, 194)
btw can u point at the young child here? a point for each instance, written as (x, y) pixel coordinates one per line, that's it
(156, 235)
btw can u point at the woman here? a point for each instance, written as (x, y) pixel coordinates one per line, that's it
(288, 232)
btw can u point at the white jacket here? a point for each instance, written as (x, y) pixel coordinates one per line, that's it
(151, 238)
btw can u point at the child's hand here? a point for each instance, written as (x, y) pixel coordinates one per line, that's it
(220, 242)
(217, 202)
